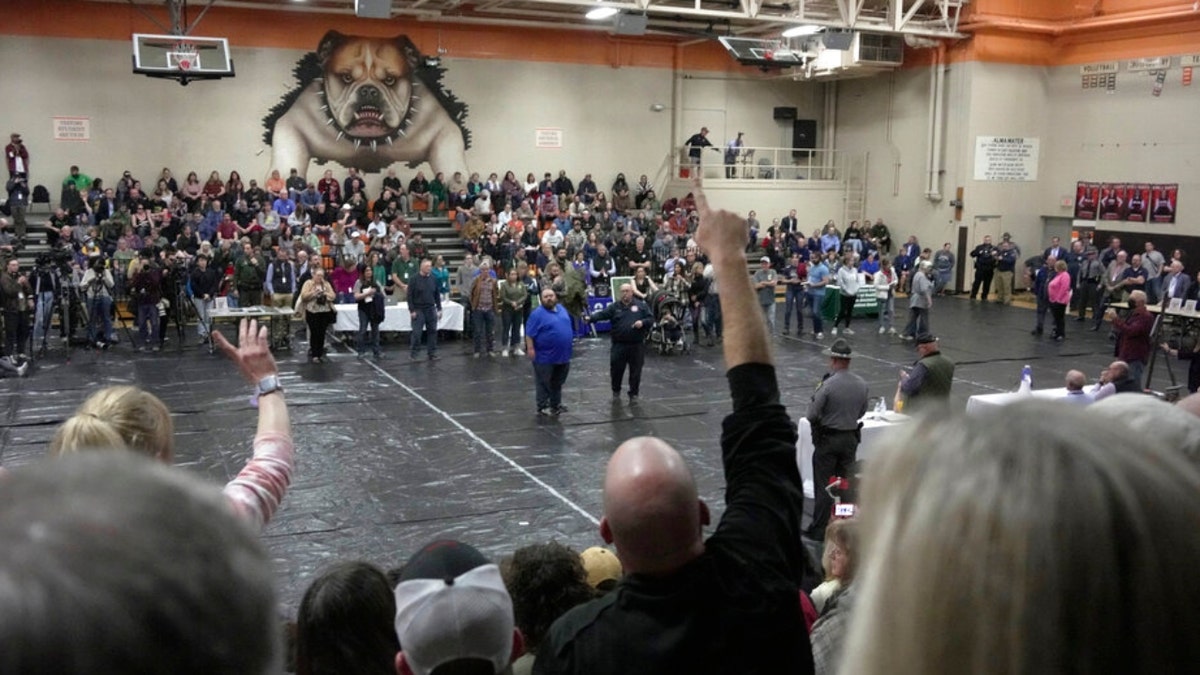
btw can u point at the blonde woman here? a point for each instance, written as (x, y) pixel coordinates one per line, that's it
(317, 297)
(132, 419)
(1048, 539)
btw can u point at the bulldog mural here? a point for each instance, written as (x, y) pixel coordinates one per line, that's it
(367, 103)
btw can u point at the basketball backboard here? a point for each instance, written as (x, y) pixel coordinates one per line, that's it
(759, 52)
(181, 57)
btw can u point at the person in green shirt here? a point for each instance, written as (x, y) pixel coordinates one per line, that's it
(81, 180)
(437, 190)
(403, 269)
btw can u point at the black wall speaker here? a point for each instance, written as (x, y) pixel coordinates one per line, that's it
(804, 135)
(785, 113)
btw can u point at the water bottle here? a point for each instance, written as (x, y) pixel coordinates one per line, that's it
(1026, 380)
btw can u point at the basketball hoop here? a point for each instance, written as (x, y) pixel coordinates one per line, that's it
(184, 61)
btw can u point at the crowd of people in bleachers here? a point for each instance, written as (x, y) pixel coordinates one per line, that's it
(1048, 537)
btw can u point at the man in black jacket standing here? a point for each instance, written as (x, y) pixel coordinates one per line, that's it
(631, 323)
(728, 603)
(985, 267)
(425, 310)
(206, 281)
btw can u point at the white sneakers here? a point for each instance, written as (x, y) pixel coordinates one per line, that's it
(504, 353)
(882, 330)
(847, 331)
(519, 352)
(833, 331)
(821, 336)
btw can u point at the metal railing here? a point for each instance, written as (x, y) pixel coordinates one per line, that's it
(762, 164)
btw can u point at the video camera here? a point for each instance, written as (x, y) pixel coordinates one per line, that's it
(58, 258)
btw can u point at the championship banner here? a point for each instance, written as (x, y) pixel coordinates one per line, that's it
(1163, 199)
(1087, 197)
(1137, 203)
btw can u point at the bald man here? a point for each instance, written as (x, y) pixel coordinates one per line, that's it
(729, 603)
(1076, 381)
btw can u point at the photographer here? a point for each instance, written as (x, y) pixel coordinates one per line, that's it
(45, 288)
(16, 299)
(206, 281)
(146, 291)
(175, 275)
(18, 201)
(98, 286)
(316, 297)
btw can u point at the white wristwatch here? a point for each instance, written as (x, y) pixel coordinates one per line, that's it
(268, 385)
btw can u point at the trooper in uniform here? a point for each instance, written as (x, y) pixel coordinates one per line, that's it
(837, 405)
(631, 322)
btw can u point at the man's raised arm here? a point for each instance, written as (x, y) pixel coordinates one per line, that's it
(723, 236)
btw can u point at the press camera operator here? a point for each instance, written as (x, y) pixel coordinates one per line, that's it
(45, 284)
(16, 299)
(206, 282)
(175, 270)
(98, 288)
(145, 290)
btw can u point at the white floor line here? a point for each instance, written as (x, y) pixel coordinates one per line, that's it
(487, 446)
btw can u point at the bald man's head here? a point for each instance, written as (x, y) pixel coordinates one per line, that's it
(651, 509)
(1075, 380)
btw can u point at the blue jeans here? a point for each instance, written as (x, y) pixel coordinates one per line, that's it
(769, 315)
(147, 322)
(484, 322)
(712, 315)
(424, 320)
(42, 316)
(815, 300)
(793, 301)
(887, 311)
(549, 379)
(99, 317)
(202, 308)
(1153, 289)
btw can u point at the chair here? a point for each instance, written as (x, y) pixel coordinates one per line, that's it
(765, 170)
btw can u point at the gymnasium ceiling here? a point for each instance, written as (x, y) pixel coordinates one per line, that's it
(702, 19)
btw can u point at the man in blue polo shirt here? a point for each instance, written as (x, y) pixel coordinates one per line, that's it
(548, 342)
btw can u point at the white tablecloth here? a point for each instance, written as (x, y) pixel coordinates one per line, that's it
(397, 319)
(872, 432)
(985, 403)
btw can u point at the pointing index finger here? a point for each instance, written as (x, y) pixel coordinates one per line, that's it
(701, 200)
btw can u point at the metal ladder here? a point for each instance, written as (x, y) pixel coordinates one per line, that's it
(855, 177)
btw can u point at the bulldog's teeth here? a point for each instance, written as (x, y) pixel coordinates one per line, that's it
(329, 121)
(389, 140)
(340, 135)
(373, 147)
(324, 108)
(357, 142)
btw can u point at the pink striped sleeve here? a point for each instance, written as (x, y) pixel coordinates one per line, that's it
(257, 491)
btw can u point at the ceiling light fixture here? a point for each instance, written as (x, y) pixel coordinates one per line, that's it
(602, 12)
(800, 31)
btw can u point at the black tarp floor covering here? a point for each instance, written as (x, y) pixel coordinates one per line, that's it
(395, 454)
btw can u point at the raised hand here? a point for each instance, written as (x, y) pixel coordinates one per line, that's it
(252, 354)
(721, 233)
